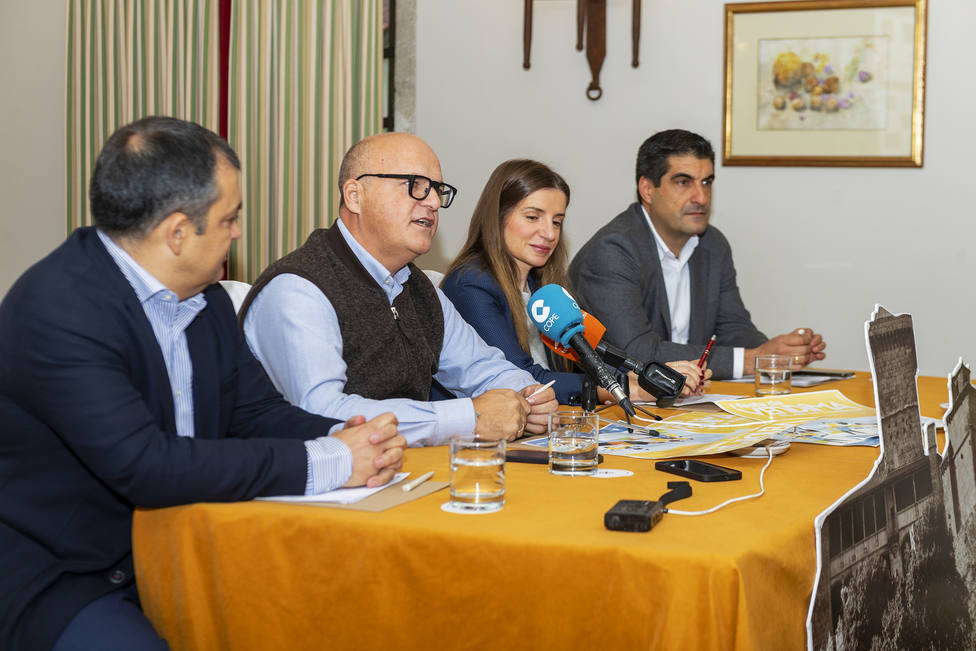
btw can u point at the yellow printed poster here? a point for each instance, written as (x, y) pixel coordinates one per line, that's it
(689, 434)
(797, 407)
(823, 417)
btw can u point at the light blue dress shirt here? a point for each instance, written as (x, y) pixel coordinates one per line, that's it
(329, 460)
(293, 330)
(169, 318)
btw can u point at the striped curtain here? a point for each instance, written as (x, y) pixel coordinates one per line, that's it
(305, 84)
(127, 59)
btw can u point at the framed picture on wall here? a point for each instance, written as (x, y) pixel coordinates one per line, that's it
(825, 83)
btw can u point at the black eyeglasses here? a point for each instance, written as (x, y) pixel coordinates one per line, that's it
(419, 187)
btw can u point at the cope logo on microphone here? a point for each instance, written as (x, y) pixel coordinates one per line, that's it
(569, 296)
(542, 315)
(540, 311)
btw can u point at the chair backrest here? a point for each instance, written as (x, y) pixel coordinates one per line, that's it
(435, 276)
(237, 291)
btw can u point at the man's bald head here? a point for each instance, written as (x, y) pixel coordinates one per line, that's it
(384, 153)
(379, 210)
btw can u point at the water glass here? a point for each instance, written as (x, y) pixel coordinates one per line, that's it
(573, 442)
(774, 374)
(477, 474)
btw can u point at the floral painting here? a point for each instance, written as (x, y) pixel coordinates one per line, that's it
(823, 83)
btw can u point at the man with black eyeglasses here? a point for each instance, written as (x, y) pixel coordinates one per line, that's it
(347, 324)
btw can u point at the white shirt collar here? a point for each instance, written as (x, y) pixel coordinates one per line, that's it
(664, 252)
(145, 285)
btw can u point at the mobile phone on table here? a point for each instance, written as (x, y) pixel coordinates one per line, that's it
(527, 456)
(700, 470)
(519, 455)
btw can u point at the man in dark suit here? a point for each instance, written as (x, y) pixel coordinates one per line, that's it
(125, 382)
(662, 280)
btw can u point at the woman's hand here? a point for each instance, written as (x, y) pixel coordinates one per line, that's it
(696, 379)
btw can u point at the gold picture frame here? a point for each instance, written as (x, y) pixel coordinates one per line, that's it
(824, 83)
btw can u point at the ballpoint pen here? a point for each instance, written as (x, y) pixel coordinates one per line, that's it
(413, 483)
(708, 349)
(541, 389)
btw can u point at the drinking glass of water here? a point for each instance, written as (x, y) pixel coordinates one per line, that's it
(477, 474)
(573, 439)
(774, 374)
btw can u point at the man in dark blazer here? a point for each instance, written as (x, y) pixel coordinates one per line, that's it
(662, 280)
(125, 382)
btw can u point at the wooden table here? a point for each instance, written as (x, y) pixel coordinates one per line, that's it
(542, 573)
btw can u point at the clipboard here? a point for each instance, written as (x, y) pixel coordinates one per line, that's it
(388, 497)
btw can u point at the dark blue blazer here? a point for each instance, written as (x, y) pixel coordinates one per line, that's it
(87, 433)
(479, 299)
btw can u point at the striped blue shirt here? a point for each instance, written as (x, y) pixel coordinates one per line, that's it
(169, 318)
(329, 462)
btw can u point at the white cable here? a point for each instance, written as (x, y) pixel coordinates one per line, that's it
(637, 429)
(762, 489)
(645, 420)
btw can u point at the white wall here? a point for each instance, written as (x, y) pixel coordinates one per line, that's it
(32, 206)
(815, 247)
(843, 238)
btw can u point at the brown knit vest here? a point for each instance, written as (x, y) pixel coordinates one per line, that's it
(388, 354)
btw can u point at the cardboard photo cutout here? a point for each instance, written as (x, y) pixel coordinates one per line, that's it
(895, 555)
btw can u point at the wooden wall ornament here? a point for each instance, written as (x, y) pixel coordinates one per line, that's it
(591, 27)
(596, 44)
(580, 21)
(635, 27)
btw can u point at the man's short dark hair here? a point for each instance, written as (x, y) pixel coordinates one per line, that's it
(351, 165)
(652, 157)
(152, 168)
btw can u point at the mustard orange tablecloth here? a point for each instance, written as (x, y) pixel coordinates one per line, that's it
(541, 574)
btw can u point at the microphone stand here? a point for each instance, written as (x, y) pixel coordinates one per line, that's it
(647, 413)
(663, 383)
(588, 401)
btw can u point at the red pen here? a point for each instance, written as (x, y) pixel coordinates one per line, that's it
(708, 349)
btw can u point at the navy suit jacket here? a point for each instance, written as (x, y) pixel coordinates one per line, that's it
(479, 299)
(87, 432)
(617, 276)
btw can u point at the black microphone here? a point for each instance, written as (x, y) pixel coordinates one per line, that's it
(659, 380)
(600, 372)
(558, 316)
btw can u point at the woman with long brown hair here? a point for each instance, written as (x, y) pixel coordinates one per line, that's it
(515, 246)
